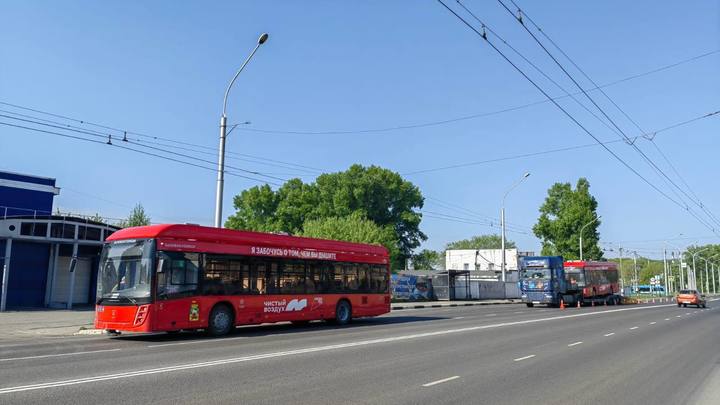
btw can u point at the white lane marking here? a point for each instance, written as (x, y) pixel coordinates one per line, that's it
(491, 315)
(633, 328)
(518, 312)
(430, 384)
(58, 355)
(524, 358)
(459, 317)
(235, 360)
(653, 323)
(574, 344)
(609, 334)
(667, 319)
(196, 341)
(678, 316)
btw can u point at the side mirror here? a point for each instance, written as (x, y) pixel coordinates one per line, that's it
(73, 263)
(161, 265)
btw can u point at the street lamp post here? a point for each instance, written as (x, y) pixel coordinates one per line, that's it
(581, 235)
(502, 224)
(712, 273)
(635, 271)
(223, 135)
(694, 279)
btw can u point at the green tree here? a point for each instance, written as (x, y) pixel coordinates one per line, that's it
(379, 195)
(428, 259)
(562, 215)
(97, 218)
(646, 269)
(481, 242)
(353, 228)
(137, 217)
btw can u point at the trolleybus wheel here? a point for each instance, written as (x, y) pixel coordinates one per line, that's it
(221, 320)
(343, 313)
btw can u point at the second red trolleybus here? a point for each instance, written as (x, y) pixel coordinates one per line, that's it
(177, 277)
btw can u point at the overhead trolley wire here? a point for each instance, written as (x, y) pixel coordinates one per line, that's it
(133, 150)
(105, 136)
(473, 116)
(570, 116)
(519, 19)
(556, 150)
(122, 132)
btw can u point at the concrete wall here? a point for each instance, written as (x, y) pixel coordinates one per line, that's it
(481, 289)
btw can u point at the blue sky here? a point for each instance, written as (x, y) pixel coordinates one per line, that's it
(161, 69)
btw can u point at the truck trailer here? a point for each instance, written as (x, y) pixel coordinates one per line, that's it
(551, 280)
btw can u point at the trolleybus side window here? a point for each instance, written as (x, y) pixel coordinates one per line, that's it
(272, 275)
(352, 283)
(292, 280)
(226, 275)
(379, 279)
(179, 274)
(364, 278)
(338, 278)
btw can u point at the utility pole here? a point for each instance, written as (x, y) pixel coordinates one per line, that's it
(502, 225)
(680, 270)
(636, 271)
(665, 270)
(621, 267)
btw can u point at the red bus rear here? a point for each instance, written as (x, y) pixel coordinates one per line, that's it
(599, 279)
(172, 277)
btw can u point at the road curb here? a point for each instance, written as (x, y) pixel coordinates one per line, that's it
(466, 304)
(84, 331)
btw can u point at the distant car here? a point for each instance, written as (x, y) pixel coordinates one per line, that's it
(691, 297)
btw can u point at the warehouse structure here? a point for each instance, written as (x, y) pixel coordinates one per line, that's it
(45, 260)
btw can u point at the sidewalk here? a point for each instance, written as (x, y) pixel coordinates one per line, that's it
(442, 304)
(45, 322)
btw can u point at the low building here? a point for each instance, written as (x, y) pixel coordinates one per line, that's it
(480, 259)
(45, 260)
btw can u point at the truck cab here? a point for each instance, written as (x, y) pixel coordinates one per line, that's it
(542, 280)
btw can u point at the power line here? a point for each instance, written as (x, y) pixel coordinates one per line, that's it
(64, 126)
(133, 150)
(557, 150)
(109, 137)
(534, 66)
(648, 160)
(478, 115)
(124, 133)
(470, 222)
(464, 211)
(570, 116)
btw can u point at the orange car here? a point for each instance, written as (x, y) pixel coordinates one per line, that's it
(691, 297)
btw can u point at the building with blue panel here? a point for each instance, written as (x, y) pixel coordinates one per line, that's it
(45, 260)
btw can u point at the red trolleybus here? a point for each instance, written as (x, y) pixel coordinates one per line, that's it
(173, 277)
(594, 281)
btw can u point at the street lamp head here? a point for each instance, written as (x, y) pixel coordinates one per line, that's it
(262, 38)
(527, 174)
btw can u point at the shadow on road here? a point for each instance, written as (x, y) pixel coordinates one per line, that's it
(277, 329)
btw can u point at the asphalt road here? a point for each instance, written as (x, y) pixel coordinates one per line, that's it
(505, 354)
